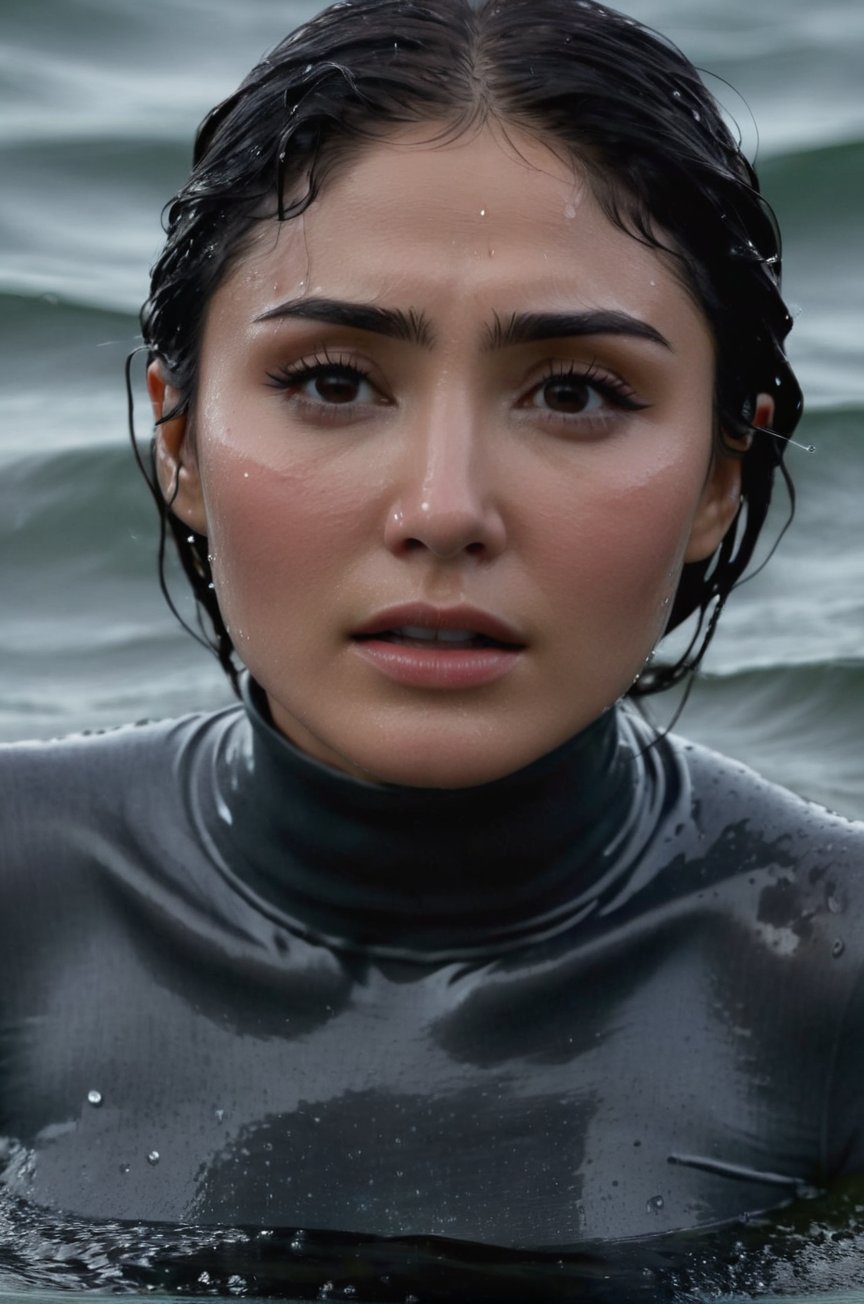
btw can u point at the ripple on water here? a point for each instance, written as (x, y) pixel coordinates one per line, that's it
(813, 1245)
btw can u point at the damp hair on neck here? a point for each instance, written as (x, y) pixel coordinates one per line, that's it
(595, 86)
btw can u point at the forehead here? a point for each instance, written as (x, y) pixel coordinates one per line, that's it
(494, 217)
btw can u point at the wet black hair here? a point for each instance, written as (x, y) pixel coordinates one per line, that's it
(614, 96)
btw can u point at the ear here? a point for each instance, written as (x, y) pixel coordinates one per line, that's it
(176, 463)
(721, 496)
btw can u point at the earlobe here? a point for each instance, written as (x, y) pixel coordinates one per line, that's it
(721, 496)
(176, 464)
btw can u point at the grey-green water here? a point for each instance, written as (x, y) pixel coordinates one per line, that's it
(98, 100)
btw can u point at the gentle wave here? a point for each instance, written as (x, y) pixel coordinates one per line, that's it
(798, 725)
(26, 310)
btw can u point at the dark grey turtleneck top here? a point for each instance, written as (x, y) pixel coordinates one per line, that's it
(615, 993)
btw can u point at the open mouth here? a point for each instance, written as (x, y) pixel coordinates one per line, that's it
(457, 649)
(458, 640)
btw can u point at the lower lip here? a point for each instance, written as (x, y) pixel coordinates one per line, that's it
(431, 667)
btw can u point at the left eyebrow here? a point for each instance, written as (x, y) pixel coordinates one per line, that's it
(527, 327)
(412, 326)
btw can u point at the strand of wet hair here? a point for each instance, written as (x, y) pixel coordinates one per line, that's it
(216, 646)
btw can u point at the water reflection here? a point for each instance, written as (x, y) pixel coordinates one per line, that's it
(812, 1247)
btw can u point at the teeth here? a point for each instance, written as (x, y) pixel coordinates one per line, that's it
(435, 635)
(455, 636)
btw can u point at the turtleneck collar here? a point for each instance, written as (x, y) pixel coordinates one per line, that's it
(429, 873)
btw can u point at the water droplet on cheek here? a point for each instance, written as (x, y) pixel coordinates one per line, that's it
(94, 1098)
(153, 1158)
(655, 1204)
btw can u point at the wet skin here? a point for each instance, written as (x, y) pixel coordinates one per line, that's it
(438, 454)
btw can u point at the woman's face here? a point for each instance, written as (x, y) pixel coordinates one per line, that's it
(452, 445)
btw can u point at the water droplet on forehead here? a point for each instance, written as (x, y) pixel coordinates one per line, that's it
(655, 1204)
(838, 948)
(153, 1157)
(94, 1098)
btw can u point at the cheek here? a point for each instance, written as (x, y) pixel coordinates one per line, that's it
(277, 538)
(611, 556)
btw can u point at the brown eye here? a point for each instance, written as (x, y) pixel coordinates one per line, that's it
(336, 387)
(569, 395)
(326, 385)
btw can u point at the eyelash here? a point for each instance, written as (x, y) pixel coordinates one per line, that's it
(612, 388)
(296, 374)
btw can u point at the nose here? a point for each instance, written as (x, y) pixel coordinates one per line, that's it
(446, 503)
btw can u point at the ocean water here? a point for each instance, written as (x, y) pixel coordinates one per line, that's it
(98, 102)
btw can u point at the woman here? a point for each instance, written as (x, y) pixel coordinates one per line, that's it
(465, 354)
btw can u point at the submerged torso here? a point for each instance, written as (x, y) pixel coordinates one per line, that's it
(612, 995)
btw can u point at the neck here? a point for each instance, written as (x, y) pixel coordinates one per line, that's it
(430, 872)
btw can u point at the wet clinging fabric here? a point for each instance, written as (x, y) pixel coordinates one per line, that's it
(615, 993)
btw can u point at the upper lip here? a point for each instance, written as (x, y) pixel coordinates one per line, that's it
(428, 617)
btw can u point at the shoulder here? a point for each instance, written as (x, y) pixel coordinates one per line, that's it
(57, 793)
(725, 791)
(116, 754)
(783, 859)
(721, 821)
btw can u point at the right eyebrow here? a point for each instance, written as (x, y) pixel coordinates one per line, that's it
(413, 327)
